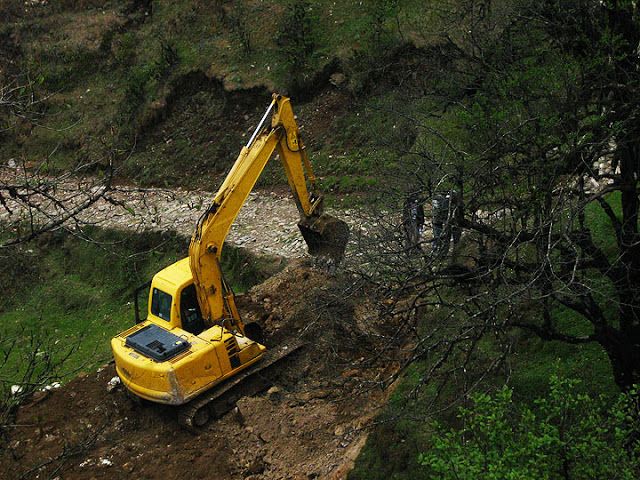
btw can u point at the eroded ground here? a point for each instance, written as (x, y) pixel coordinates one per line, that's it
(310, 424)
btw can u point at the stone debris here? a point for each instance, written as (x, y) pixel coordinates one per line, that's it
(267, 223)
(48, 388)
(113, 384)
(16, 389)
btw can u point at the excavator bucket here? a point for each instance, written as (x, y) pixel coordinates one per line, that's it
(326, 236)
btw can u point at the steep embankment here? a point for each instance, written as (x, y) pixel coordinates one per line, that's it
(310, 424)
(167, 92)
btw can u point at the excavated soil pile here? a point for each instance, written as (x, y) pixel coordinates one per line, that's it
(309, 424)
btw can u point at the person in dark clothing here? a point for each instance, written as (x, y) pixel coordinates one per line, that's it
(445, 209)
(412, 221)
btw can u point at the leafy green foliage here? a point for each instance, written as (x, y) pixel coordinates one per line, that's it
(379, 37)
(297, 42)
(566, 435)
(404, 429)
(144, 78)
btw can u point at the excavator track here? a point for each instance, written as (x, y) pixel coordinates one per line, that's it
(222, 398)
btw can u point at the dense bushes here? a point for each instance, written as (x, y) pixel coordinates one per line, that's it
(565, 435)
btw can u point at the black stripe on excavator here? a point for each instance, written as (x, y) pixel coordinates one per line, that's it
(213, 208)
(157, 343)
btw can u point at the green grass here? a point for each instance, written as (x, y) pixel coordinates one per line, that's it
(108, 83)
(600, 225)
(74, 292)
(538, 359)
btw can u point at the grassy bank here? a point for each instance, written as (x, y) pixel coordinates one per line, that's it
(174, 89)
(71, 294)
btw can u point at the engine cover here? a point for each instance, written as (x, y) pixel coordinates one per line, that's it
(157, 343)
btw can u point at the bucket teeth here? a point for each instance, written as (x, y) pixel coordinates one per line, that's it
(325, 236)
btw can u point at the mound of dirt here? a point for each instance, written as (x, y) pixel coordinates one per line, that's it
(310, 424)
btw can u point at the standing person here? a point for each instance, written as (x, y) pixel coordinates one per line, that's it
(446, 208)
(439, 217)
(412, 221)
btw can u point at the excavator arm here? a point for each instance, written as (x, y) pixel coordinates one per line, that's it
(324, 235)
(178, 353)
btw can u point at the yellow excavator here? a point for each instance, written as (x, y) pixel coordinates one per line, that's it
(192, 350)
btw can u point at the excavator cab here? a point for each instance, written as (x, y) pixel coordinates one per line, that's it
(173, 356)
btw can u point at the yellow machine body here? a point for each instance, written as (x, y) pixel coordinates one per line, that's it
(193, 337)
(208, 361)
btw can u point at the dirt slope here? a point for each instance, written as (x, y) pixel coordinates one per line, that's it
(310, 424)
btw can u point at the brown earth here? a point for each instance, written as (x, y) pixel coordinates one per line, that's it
(310, 424)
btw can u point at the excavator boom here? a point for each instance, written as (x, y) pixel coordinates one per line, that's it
(324, 235)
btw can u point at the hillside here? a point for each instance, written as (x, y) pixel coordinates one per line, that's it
(168, 93)
(486, 156)
(312, 422)
(170, 90)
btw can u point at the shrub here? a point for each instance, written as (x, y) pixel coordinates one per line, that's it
(296, 39)
(565, 435)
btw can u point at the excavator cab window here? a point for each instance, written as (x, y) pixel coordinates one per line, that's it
(190, 311)
(161, 304)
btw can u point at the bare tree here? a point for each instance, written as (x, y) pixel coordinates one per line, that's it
(17, 101)
(543, 103)
(33, 200)
(30, 361)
